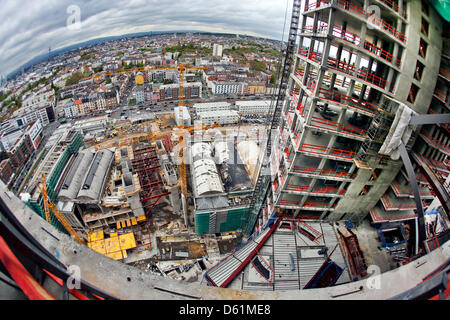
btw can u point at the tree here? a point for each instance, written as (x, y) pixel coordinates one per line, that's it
(272, 79)
(98, 69)
(73, 79)
(257, 65)
(128, 66)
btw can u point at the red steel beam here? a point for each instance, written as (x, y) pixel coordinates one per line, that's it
(30, 287)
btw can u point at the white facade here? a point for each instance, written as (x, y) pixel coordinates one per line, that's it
(39, 100)
(140, 95)
(182, 117)
(7, 140)
(218, 87)
(35, 115)
(247, 107)
(221, 117)
(217, 50)
(212, 106)
(34, 131)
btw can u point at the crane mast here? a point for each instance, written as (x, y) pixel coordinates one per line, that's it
(50, 206)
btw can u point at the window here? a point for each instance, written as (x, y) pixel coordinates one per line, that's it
(425, 26)
(375, 174)
(413, 93)
(365, 190)
(423, 48)
(419, 71)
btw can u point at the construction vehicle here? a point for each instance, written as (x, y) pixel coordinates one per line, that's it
(50, 206)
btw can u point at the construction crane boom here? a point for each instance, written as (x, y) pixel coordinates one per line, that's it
(49, 206)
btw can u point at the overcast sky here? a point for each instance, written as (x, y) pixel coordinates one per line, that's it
(29, 27)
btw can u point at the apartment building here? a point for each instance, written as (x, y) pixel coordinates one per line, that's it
(353, 74)
(217, 50)
(225, 87)
(221, 117)
(39, 100)
(249, 107)
(6, 171)
(211, 107)
(20, 151)
(169, 92)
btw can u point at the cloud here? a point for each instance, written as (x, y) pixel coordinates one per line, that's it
(28, 27)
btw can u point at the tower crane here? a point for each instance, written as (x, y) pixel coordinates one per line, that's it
(50, 206)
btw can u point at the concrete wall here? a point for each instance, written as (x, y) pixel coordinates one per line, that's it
(411, 55)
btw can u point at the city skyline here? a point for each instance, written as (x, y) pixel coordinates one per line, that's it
(29, 30)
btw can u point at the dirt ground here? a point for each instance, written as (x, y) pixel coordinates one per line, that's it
(167, 121)
(227, 246)
(167, 250)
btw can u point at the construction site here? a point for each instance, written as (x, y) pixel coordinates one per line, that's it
(346, 173)
(146, 192)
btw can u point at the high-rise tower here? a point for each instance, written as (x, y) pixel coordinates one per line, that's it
(357, 65)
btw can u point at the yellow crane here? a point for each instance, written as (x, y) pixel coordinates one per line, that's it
(182, 168)
(49, 206)
(136, 137)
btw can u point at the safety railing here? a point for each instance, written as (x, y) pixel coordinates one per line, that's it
(383, 54)
(323, 205)
(320, 150)
(350, 7)
(311, 85)
(289, 203)
(444, 73)
(317, 4)
(288, 118)
(324, 124)
(341, 66)
(296, 137)
(419, 176)
(441, 95)
(346, 36)
(442, 165)
(388, 205)
(371, 78)
(311, 29)
(294, 98)
(313, 56)
(343, 84)
(387, 27)
(394, 6)
(399, 191)
(306, 205)
(317, 190)
(343, 99)
(434, 142)
(299, 74)
(323, 172)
